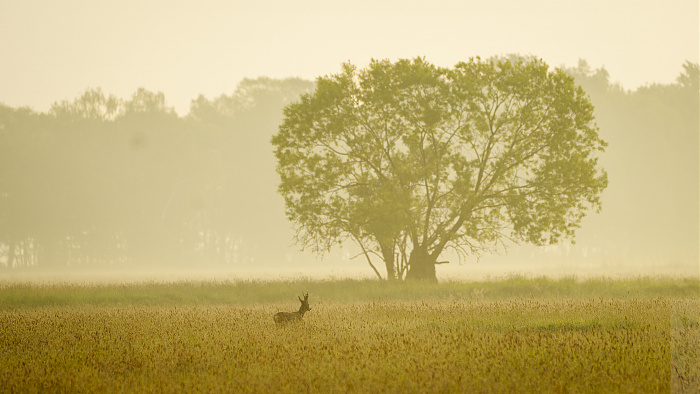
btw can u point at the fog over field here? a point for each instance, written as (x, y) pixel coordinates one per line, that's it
(135, 137)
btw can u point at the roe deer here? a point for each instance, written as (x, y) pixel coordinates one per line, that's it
(283, 317)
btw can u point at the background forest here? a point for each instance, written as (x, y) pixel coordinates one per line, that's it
(101, 181)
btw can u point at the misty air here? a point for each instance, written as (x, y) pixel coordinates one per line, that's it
(316, 197)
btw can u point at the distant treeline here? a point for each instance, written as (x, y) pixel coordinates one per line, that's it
(650, 209)
(99, 180)
(105, 181)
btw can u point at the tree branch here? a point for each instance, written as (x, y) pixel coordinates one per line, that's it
(364, 251)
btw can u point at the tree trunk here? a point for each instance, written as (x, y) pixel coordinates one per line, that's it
(421, 265)
(11, 253)
(388, 255)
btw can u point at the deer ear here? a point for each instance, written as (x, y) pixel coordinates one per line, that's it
(300, 299)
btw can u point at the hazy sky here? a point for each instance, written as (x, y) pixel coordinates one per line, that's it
(54, 50)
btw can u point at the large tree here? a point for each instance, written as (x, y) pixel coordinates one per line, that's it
(410, 160)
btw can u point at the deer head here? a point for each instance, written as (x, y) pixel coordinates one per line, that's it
(304, 304)
(284, 317)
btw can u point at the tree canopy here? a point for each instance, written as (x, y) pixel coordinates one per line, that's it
(409, 160)
(100, 180)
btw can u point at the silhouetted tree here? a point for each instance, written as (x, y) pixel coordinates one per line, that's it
(23, 146)
(246, 119)
(92, 104)
(99, 180)
(651, 206)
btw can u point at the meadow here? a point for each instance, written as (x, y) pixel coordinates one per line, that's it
(511, 334)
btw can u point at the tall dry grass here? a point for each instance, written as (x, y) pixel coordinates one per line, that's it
(519, 335)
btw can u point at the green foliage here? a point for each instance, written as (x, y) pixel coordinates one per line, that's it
(90, 183)
(407, 156)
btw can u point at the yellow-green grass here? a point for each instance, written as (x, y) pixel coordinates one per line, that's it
(246, 293)
(517, 334)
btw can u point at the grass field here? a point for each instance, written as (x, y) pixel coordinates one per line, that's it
(508, 335)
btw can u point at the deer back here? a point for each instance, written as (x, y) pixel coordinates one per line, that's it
(284, 317)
